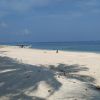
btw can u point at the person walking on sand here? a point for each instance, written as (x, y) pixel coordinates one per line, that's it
(57, 51)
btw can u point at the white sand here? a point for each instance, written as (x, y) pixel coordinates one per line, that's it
(73, 88)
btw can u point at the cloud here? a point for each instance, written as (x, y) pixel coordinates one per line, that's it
(68, 15)
(22, 5)
(3, 13)
(8, 7)
(96, 11)
(3, 25)
(24, 32)
(89, 4)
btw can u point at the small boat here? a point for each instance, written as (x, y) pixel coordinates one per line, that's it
(24, 46)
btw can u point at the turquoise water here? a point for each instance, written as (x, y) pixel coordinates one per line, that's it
(91, 46)
(69, 46)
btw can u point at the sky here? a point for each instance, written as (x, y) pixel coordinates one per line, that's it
(49, 20)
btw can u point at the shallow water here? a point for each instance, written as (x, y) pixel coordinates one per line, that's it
(90, 46)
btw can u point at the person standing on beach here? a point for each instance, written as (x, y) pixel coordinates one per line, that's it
(57, 51)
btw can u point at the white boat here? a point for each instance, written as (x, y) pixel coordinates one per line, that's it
(24, 46)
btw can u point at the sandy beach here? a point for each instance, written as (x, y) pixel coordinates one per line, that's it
(33, 74)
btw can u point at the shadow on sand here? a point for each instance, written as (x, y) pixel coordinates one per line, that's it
(3, 52)
(69, 71)
(16, 78)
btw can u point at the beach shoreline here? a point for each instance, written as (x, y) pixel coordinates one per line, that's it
(83, 69)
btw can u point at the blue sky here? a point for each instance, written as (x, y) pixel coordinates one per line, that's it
(49, 20)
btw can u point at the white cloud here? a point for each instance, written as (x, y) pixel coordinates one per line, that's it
(3, 25)
(26, 31)
(23, 32)
(96, 11)
(22, 5)
(89, 6)
(7, 6)
(86, 4)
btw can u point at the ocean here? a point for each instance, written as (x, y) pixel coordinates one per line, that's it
(83, 46)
